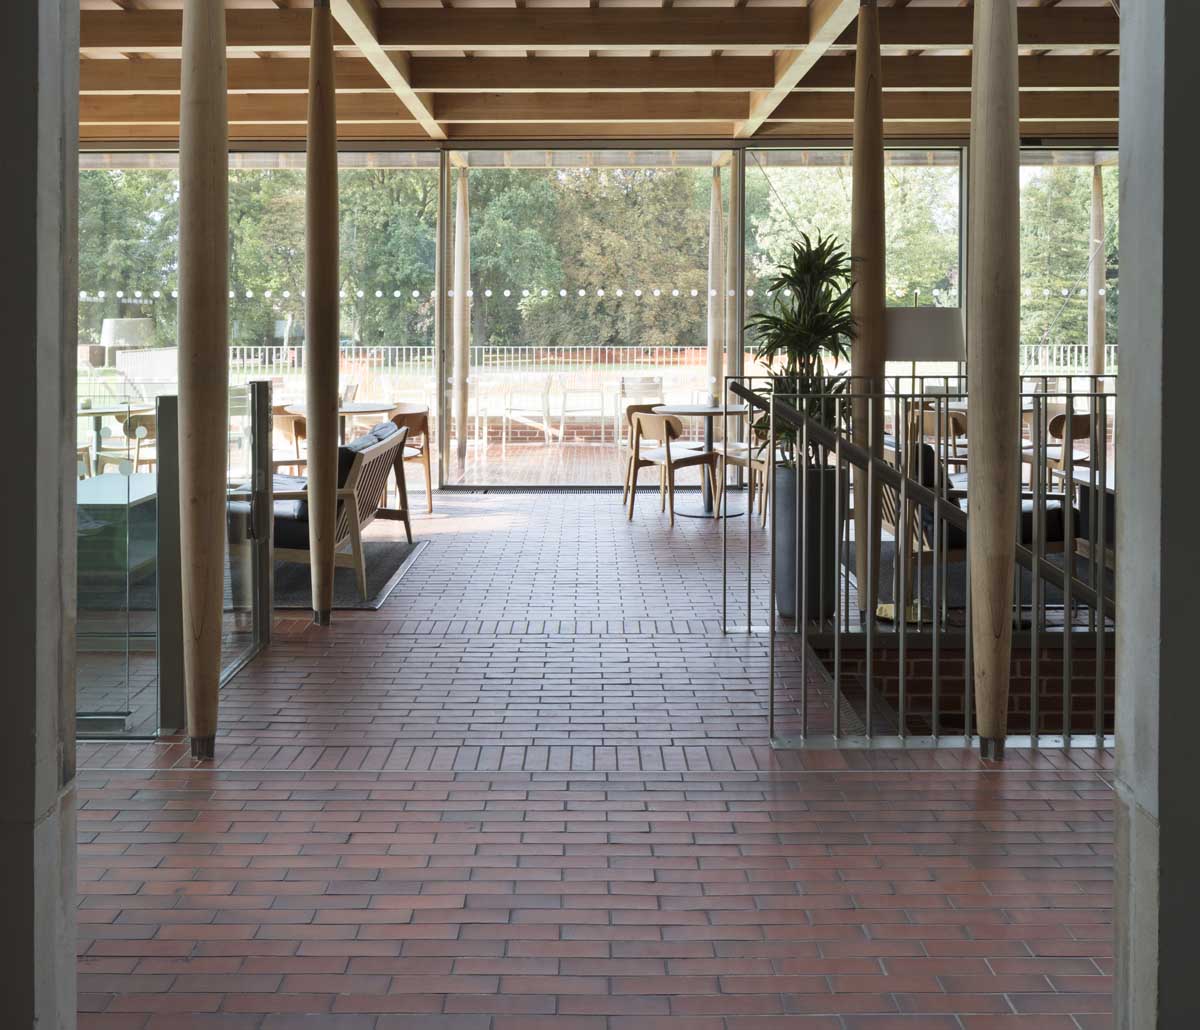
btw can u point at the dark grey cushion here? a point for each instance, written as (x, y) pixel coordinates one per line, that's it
(347, 452)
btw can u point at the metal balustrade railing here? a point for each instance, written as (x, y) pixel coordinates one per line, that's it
(416, 362)
(849, 667)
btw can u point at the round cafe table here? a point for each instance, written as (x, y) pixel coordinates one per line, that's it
(353, 408)
(708, 412)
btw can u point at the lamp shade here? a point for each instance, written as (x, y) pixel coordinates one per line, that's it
(925, 334)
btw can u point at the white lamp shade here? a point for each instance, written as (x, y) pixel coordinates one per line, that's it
(925, 334)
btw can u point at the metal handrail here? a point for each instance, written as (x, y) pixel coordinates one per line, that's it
(917, 493)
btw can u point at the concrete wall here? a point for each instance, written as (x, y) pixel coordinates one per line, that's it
(38, 176)
(1158, 574)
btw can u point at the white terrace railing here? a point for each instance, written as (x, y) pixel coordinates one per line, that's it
(406, 373)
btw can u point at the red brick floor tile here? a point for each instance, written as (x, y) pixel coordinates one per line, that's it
(533, 791)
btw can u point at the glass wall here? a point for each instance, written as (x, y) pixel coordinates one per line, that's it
(1063, 266)
(127, 358)
(584, 286)
(795, 192)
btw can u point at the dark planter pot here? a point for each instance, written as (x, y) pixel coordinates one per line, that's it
(819, 567)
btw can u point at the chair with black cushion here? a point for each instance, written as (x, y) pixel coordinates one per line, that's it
(363, 468)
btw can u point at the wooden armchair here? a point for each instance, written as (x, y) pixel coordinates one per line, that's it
(359, 495)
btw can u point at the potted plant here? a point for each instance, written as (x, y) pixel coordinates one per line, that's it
(801, 339)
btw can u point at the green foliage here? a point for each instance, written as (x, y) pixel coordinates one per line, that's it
(572, 229)
(128, 239)
(921, 229)
(807, 327)
(1056, 205)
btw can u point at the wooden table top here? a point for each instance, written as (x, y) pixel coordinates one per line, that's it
(115, 409)
(699, 410)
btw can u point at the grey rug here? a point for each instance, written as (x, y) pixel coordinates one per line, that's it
(386, 560)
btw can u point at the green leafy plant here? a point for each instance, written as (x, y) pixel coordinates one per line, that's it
(807, 332)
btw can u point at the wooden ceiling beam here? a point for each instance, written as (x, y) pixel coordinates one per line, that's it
(264, 108)
(583, 108)
(597, 74)
(590, 107)
(246, 74)
(476, 28)
(596, 28)
(768, 29)
(591, 74)
(804, 105)
(951, 132)
(828, 19)
(360, 21)
(836, 71)
(1044, 27)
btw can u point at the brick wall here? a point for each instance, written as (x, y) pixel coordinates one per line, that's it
(918, 686)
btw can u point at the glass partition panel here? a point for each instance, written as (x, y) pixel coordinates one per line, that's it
(116, 641)
(237, 626)
(577, 284)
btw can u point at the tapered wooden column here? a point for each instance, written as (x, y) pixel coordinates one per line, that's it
(716, 277)
(321, 365)
(868, 355)
(1097, 307)
(993, 333)
(461, 312)
(733, 246)
(203, 358)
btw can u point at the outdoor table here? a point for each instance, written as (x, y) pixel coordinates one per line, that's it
(707, 412)
(352, 408)
(111, 411)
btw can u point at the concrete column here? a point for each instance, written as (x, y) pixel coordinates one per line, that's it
(461, 312)
(38, 257)
(323, 310)
(1097, 308)
(1158, 549)
(716, 275)
(868, 354)
(993, 364)
(203, 358)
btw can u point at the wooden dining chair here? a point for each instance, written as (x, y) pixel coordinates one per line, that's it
(141, 434)
(627, 444)
(293, 428)
(417, 424)
(1055, 447)
(944, 429)
(650, 429)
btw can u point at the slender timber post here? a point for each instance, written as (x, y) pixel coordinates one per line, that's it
(867, 247)
(203, 358)
(716, 273)
(461, 313)
(733, 278)
(322, 310)
(1097, 276)
(993, 299)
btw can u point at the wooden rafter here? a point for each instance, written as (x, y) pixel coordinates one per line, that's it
(765, 29)
(828, 19)
(597, 74)
(359, 19)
